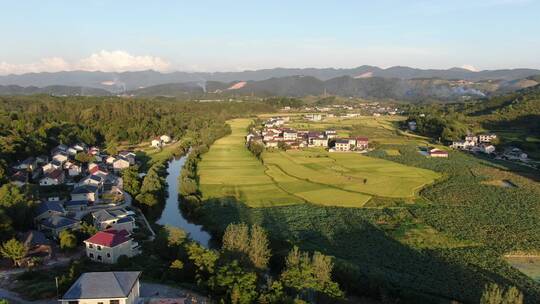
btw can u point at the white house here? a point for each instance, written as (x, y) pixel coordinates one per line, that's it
(107, 246)
(110, 160)
(290, 134)
(156, 143)
(486, 138)
(120, 164)
(55, 177)
(342, 145)
(438, 153)
(85, 193)
(165, 138)
(60, 157)
(486, 148)
(118, 287)
(118, 219)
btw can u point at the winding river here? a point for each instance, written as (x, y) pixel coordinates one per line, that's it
(172, 215)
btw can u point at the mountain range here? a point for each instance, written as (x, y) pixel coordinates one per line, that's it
(366, 81)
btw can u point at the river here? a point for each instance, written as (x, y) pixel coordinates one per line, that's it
(172, 215)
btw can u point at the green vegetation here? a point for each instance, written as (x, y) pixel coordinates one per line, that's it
(230, 170)
(13, 250)
(314, 175)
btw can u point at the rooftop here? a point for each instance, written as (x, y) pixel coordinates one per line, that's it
(103, 285)
(109, 238)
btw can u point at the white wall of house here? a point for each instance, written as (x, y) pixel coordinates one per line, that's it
(109, 255)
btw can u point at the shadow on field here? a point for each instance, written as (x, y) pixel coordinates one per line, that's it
(368, 261)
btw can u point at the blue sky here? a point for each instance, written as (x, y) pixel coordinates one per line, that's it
(238, 35)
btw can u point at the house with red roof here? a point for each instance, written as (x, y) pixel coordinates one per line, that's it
(438, 153)
(108, 245)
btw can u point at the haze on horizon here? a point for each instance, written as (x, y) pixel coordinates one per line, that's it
(169, 36)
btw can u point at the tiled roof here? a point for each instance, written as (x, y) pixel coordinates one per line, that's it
(109, 238)
(49, 206)
(57, 221)
(103, 285)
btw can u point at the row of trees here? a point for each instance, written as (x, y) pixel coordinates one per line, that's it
(239, 271)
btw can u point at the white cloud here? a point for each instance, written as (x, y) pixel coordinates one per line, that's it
(469, 67)
(106, 61)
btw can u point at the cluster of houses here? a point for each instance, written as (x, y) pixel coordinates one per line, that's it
(62, 167)
(476, 143)
(275, 132)
(160, 141)
(94, 188)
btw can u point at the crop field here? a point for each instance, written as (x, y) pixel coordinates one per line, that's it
(230, 170)
(447, 241)
(352, 172)
(315, 176)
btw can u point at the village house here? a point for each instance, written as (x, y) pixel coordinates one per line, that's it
(60, 157)
(52, 178)
(438, 153)
(37, 246)
(79, 147)
(486, 138)
(49, 167)
(271, 144)
(29, 164)
(108, 245)
(56, 223)
(313, 117)
(42, 159)
(342, 145)
(319, 142)
(110, 160)
(71, 151)
(156, 143)
(76, 206)
(129, 156)
(165, 138)
(513, 153)
(94, 151)
(289, 134)
(330, 134)
(119, 287)
(412, 125)
(118, 219)
(61, 148)
(19, 178)
(97, 169)
(362, 143)
(74, 169)
(47, 209)
(463, 144)
(87, 192)
(120, 164)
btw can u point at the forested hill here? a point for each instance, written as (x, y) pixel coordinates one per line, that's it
(32, 125)
(413, 90)
(57, 90)
(516, 117)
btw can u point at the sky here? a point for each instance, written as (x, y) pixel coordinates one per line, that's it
(209, 36)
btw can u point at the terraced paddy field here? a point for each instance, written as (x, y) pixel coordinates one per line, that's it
(309, 176)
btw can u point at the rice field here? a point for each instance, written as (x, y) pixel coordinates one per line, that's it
(314, 176)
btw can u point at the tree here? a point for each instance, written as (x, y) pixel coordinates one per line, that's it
(305, 274)
(130, 179)
(148, 199)
(258, 251)
(239, 286)
(16, 205)
(493, 294)
(249, 245)
(68, 240)
(14, 250)
(175, 236)
(256, 148)
(84, 157)
(236, 238)
(188, 186)
(204, 260)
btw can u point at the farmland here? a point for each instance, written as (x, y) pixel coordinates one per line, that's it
(315, 176)
(447, 240)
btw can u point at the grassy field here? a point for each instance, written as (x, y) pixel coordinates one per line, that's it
(312, 175)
